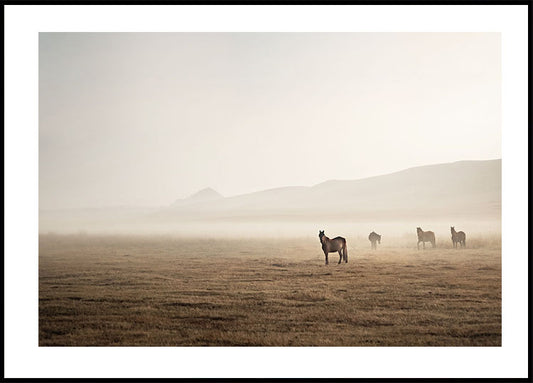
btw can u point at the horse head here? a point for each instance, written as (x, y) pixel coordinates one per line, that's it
(320, 234)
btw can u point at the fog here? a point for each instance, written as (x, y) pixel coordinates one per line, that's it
(464, 194)
(393, 230)
(140, 120)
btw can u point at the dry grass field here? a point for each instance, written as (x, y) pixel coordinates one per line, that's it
(163, 291)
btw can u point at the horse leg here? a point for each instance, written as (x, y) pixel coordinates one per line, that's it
(423, 245)
(418, 245)
(326, 254)
(340, 256)
(345, 251)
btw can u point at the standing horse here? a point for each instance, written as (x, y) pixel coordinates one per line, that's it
(425, 236)
(337, 244)
(458, 236)
(373, 238)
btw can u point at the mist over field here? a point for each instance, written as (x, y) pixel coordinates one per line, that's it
(465, 194)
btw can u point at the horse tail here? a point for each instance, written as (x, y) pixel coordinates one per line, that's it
(345, 252)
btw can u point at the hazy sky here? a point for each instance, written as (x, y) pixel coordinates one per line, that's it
(142, 119)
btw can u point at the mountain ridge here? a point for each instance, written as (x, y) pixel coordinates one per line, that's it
(462, 191)
(205, 194)
(460, 184)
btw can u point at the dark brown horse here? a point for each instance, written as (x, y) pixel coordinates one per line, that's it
(337, 244)
(458, 236)
(425, 236)
(373, 238)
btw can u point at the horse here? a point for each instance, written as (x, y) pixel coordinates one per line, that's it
(458, 236)
(337, 244)
(425, 236)
(373, 238)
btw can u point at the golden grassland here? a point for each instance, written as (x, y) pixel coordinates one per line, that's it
(164, 291)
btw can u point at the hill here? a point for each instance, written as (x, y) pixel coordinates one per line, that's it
(443, 194)
(465, 187)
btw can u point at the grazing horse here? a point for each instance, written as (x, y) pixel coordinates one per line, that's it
(425, 236)
(373, 238)
(458, 236)
(337, 244)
